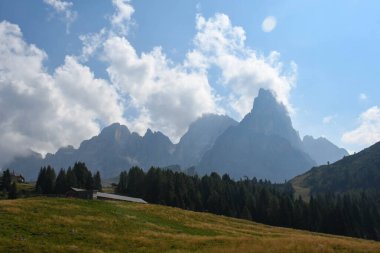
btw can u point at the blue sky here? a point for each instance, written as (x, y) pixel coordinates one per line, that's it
(162, 64)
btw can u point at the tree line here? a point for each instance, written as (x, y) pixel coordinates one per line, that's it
(7, 186)
(354, 214)
(79, 176)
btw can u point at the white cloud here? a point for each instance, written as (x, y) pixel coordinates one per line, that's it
(121, 19)
(168, 97)
(363, 96)
(64, 8)
(368, 131)
(328, 119)
(91, 43)
(269, 24)
(43, 112)
(244, 71)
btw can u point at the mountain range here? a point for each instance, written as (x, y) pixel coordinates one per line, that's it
(264, 144)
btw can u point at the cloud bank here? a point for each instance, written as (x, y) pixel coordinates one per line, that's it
(43, 111)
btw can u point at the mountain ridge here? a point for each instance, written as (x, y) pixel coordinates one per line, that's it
(265, 134)
(357, 172)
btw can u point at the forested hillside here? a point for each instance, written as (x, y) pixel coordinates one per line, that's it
(354, 173)
(352, 214)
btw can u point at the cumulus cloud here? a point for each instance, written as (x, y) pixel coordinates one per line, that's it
(64, 8)
(43, 112)
(91, 43)
(121, 19)
(244, 71)
(368, 131)
(269, 24)
(168, 97)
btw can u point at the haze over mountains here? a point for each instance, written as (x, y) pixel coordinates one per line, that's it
(264, 144)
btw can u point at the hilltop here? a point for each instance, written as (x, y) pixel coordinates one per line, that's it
(71, 225)
(357, 172)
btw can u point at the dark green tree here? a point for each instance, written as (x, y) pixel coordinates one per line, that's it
(12, 194)
(83, 176)
(71, 178)
(123, 183)
(61, 185)
(6, 180)
(46, 180)
(97, 181)
(136, 177)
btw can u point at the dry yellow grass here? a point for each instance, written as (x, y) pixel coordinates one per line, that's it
(69, 225)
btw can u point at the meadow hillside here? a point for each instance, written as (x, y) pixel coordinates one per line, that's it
(70, 225)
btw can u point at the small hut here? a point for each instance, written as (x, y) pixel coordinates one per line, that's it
(81, 193)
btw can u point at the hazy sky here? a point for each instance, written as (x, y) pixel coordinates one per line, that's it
(69, 68)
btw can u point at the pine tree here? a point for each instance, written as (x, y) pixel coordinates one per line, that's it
(7, 180)
(49, 181)
(123, 183)
(12, 194)
(40, 179)
(71, 179)
(97, 181)
(136, 178)
(46, 180)
(61, 183)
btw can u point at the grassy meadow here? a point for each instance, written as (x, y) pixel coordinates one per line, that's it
(43, 224)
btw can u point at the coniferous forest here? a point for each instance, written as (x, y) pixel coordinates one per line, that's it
(78, 176)
(353, 214)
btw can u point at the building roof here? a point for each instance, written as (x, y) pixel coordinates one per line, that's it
(79, 190)
(110, 196)
(119, 197)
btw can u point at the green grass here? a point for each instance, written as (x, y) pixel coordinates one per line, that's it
(71, 225)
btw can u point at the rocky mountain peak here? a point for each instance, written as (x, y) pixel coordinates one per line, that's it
(270, 117)
(115, 131)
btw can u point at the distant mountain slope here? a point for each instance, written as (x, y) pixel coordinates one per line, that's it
(264, 144)
(27, 165)
(322, 150)
(113, 150)
(200, 137)
(360, 171)
(116, 149)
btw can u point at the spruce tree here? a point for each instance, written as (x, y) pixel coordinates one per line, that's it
(97, 181)
(7, 180)
(123, 183)
(61, 183)
(12, 194)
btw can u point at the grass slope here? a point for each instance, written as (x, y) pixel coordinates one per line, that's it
(356, 172)
(71, 225)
